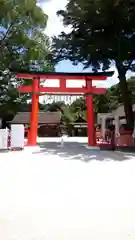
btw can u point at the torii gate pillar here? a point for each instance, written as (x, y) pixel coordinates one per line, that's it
(32, 139)
(90, 116)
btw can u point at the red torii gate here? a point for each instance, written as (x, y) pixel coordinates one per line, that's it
(88, 90)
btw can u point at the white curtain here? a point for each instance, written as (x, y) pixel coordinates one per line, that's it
(133, 135)
(103, 126)
(117, 126)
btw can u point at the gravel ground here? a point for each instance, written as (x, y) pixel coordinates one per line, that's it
(65, 193)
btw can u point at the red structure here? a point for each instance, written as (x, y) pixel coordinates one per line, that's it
(88, 90)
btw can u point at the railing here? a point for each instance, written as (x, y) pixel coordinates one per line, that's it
(107, 139)
(126, 132)
(124, 139)
(110, 141)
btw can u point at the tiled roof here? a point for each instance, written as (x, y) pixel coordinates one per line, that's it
(43, 117)
(80, 120)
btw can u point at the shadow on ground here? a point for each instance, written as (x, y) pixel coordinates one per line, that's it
(79, 151)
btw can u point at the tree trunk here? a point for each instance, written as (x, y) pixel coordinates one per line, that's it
(126, 98)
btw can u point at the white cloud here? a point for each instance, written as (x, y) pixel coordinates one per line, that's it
(54, 26)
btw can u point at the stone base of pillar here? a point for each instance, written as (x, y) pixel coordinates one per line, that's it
(32, 149)
(93, 148)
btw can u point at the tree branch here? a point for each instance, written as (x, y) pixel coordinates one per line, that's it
(129, 65)
(7, 32)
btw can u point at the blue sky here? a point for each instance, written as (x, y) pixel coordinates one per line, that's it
(54, 27)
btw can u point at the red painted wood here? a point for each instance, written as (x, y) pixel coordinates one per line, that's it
(32, 140)
(63, 83)
(65, 94)
(35, 89)
(125, 141)
(54, 76)
(62, 89)
(98, 90)
(90, 116)
(25, 89)
(124, 132)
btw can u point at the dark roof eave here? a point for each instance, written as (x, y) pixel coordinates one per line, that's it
(74, 74)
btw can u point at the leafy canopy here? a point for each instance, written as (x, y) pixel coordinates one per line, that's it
(22, 41)
(102, 33)
(23, 45)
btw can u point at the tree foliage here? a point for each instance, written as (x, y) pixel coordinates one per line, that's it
(102, 32)
(23, 45)
(78, 108)
(65, 109)
(22, 41)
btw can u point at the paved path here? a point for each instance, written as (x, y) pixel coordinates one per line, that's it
(67, 193)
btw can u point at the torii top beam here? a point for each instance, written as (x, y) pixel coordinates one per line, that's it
(65, 75)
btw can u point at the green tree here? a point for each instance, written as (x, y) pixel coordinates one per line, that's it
(78, 108)
(23, 46)
(131, 87)
(66, 114)
(102, 103)
(22, 41)
(102, 33)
